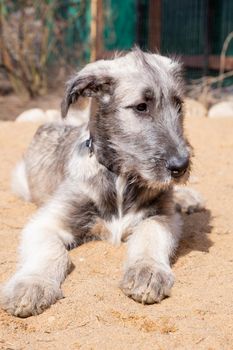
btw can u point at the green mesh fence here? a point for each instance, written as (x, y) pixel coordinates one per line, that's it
(76, 42)
(182, 27)
(188, 28)
(119, 24)
(185, 26)
(183, 23)
(223, 24)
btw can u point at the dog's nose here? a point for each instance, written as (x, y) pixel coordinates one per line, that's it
(178, 166)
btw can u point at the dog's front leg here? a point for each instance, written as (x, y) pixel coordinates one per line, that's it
(44, 263)
(148, 277)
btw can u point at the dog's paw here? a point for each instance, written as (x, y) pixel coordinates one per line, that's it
(147, 283)
(27, 296)
(187, 200)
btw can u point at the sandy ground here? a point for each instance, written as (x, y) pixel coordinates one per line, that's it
(94, 313)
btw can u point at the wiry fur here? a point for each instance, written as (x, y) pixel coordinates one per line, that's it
(123, 191)
(19, 183)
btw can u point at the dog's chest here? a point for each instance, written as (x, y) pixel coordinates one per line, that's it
(120, 226)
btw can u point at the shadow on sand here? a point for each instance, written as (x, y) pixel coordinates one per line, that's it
(197, 227)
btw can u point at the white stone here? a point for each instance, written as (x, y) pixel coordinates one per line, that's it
(193, 108)
(222, 109)
(35, 115)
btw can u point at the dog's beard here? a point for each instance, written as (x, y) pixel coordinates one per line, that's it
(162, 181)
(145, 180)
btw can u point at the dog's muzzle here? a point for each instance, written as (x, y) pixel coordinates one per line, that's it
(178, 166)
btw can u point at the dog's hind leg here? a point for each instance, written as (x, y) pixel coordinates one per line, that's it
(44, 264)
(148, 277)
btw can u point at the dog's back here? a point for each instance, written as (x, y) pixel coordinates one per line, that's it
(44, 164)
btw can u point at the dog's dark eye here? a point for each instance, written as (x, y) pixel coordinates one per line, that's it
(142, 107)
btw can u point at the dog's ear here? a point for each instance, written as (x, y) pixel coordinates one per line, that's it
(88, 83)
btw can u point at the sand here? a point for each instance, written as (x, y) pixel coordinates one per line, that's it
(95, 314)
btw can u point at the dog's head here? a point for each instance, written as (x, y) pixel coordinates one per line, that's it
(138, 128)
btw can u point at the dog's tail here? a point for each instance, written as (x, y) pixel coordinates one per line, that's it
(19, 181)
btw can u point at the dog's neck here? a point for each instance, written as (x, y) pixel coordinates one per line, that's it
(143, 196)
(136, 193)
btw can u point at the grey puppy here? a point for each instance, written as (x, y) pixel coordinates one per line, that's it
(112, 178)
